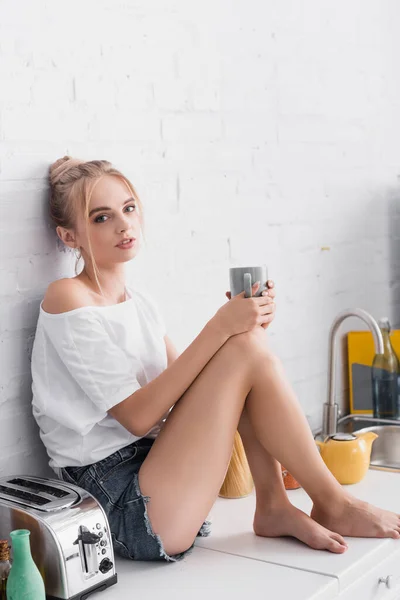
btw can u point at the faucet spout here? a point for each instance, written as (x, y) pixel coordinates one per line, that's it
(331, 409)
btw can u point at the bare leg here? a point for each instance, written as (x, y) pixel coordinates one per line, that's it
(265, 469)
(275, 515)
(186, 466)
(187, 463)
(343, 513)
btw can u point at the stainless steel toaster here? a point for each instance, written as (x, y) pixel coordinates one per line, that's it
(70, 535)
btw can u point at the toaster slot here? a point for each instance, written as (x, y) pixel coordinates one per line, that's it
(34, 486)
(21, 495)
(36, 492)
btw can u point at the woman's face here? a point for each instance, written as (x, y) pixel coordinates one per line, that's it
(112, 216)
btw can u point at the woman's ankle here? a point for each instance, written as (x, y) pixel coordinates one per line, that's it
(272, 502)
(332, 501)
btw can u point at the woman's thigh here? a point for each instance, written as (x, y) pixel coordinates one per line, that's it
(186, 466)
(113, 482)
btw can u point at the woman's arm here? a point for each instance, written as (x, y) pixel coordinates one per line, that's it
(172, 352)
(144, 408)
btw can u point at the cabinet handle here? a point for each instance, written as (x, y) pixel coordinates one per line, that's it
(388, 581)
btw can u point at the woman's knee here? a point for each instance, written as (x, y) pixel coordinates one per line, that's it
(252, 342)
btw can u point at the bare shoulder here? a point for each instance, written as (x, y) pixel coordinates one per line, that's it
(65, 294)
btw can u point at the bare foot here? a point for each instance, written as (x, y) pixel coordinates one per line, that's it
(290, 521)
(356, 518)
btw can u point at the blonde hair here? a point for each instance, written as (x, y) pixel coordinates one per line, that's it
(72, 182)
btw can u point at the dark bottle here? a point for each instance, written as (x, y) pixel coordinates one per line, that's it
(385, 373)
(5, 566)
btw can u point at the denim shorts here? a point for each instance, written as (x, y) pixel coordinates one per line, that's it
(114, 482)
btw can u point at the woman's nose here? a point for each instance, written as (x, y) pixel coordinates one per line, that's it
(124, 223)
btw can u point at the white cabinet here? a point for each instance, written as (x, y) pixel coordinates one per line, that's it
(380, 583)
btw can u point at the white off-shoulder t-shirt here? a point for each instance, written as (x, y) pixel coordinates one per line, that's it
(84, 362)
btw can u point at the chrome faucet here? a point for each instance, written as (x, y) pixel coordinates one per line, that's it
(331, 409)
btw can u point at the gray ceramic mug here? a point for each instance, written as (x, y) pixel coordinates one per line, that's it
(242, 278)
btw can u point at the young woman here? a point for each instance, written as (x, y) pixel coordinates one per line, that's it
(150, 433)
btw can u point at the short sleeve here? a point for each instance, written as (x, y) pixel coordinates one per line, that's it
(103, 370)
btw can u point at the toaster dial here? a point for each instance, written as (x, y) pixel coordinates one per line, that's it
(105, 565)
(87, 546)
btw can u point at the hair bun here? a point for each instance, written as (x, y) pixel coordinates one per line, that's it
(60, 167)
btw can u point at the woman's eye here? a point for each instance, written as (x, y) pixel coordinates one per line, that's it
(100, 216)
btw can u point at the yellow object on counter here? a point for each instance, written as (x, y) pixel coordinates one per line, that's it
(348, 455)
(361, 352)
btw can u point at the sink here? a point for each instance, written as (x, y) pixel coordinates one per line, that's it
(385, 455)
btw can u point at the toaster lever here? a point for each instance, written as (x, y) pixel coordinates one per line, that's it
(87, 537)
(87, 541)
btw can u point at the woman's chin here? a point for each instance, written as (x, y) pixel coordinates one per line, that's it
(127, 255)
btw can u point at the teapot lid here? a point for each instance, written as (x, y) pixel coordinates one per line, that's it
(343, 437)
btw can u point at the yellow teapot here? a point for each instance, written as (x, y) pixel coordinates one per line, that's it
(347, 456)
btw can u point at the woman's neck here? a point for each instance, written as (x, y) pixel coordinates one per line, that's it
(114, 292)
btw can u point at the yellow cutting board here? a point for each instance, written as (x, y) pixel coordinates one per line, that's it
(361, 352)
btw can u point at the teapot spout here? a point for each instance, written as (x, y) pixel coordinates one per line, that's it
(369, 437)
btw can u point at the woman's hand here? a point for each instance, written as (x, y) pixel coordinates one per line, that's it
(270, 292)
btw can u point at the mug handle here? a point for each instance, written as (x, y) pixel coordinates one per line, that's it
(247, 285)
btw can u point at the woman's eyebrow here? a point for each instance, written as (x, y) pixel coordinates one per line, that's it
(94, 210)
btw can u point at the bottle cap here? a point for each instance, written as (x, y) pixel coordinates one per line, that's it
(384, 323)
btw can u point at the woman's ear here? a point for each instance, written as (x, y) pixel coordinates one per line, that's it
(66, 237)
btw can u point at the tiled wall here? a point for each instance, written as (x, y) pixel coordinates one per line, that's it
(257, 131)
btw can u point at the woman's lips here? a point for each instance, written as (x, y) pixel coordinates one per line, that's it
(127, 245)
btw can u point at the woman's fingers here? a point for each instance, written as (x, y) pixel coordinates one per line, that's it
(263, 300)
(267, 318)
(270, 291)
(268, 308)
(267, 293)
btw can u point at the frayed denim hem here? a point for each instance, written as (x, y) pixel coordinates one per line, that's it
(204, 531)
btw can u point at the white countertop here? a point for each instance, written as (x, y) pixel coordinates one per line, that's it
(378, 487)
(236, 561)
(215, 575)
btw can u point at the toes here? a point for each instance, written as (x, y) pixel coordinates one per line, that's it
(335, 546)
(395, 534)
(338, 538)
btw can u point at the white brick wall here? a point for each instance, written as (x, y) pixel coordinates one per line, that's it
(253, 131)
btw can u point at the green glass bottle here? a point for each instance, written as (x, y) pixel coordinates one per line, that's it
(24, 581)
(385, 377)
